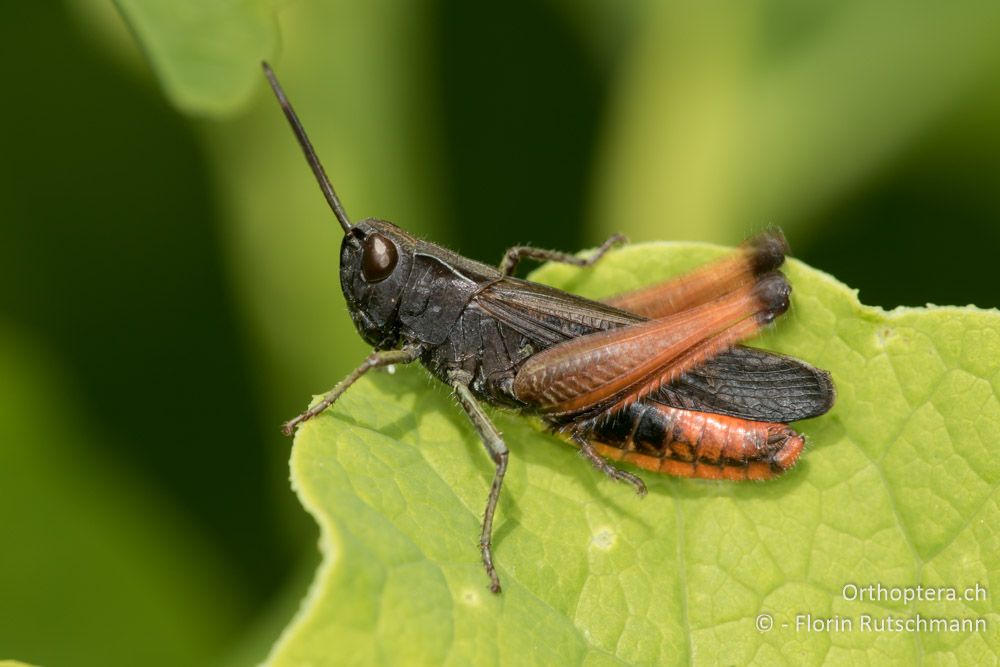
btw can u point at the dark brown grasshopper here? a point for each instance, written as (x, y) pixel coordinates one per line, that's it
(655, 378)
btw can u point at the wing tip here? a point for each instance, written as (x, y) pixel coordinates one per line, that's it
(767, 251)
(825, 380)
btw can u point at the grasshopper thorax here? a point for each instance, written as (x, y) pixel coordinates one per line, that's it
(375, 261)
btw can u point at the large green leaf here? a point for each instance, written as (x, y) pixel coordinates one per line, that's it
(898, 486)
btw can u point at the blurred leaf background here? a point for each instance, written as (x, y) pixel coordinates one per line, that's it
(168, 271)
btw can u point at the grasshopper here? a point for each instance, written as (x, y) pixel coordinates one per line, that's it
(655, 377)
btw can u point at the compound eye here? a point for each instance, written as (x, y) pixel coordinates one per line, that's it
(379, 258)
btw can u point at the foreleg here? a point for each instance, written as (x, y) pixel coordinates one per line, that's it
(374, 360)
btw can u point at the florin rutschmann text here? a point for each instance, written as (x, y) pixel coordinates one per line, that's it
(888, 621)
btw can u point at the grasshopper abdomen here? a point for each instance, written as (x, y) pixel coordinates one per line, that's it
(687, 443)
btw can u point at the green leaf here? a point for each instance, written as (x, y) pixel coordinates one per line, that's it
(206, 53)
(897, 486)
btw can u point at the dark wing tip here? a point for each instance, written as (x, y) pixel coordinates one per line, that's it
(767, 251)
(825, 380)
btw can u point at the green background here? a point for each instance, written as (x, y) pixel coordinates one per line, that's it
(168, 271)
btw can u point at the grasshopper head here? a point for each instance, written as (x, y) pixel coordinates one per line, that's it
(375, 261)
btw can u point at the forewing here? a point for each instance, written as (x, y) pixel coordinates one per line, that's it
(741, 382)
(590, 372)
(547, 315)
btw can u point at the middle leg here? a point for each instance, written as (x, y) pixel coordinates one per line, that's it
(497, 449)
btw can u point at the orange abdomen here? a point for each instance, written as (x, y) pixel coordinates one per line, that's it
(687, 443)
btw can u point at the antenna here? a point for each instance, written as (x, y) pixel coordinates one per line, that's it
(307, 148)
